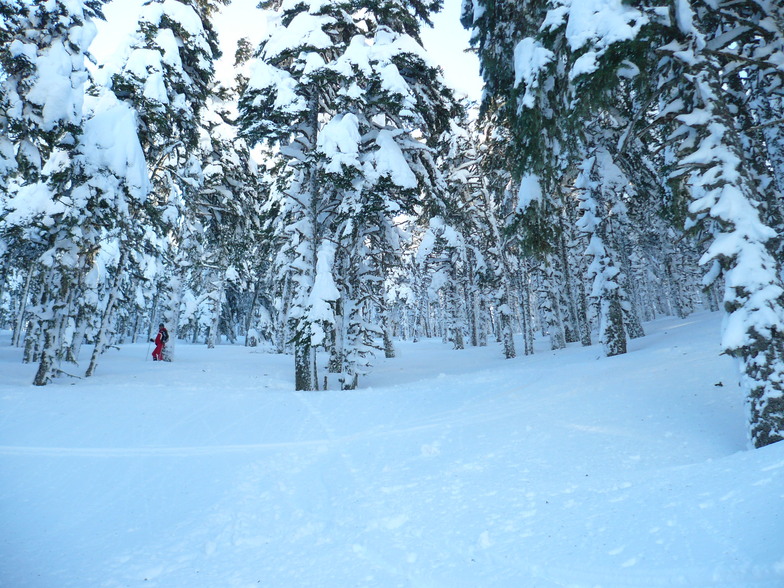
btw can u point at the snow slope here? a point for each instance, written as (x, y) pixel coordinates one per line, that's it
(448, 469)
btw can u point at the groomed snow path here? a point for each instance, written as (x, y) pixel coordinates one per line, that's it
(448, 469)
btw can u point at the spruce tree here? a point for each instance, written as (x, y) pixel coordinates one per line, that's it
(166, 75)
(694, 80)
(43, 104)
(227, 215)
(726, 199)
(347, 91)
(286, 93)
(600, 183)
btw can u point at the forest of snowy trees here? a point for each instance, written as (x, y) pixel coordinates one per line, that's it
(626, 162)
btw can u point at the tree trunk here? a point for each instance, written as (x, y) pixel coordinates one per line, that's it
(336, 350)
(305, 375)
(252, 309)
(58, 285)
(106, 319)
(32, 341)
(75, 348)
(456, 315)
(386, 327)
(613, 335)
(525, 311)
(572, 325)
(103, 334)
(171, 314)
(46, 363)
(582, 309)
(19, 324)
(760, 370)
(553, 309)
(726, 195)
(216, 299)
(631, 312)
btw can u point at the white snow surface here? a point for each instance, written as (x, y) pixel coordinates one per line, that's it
(31, 201)
(180, 13)
(530, 191)
(339, 139)
(57, 88)
(110, 142)
(530, 57)
(447, 469)
(265, 76)
(304, 30)
(596, 24)
(389, 161)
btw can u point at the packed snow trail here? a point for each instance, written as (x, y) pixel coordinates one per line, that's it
(447, 469)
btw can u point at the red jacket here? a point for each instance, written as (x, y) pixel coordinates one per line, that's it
(162, 337)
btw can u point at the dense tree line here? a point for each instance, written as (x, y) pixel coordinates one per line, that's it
(338, 196)
(630, 121)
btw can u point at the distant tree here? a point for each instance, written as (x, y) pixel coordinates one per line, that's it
(228, 217)
(599, 185)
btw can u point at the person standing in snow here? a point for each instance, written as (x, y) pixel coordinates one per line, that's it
(160, 342)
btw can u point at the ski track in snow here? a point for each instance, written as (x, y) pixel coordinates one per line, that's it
(447, 469)
(452, 417)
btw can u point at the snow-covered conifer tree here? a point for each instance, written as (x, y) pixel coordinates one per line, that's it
(117, 178)
(526, 94)
(599, 177)
(476, 208)
(691, 74)
(12, 22)
(285, 96)
(43, 104)
(348, 92)
(401, 111)
(726, 199)
(444, 251)
(228, 216)
(466, 234)
(166, 73)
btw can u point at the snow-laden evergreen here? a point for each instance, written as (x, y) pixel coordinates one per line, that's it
(60, 178)
(571, 80)
(349, 95)
(599, 182)
(166, 73)
(725, 195)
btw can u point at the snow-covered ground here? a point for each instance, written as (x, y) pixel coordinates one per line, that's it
(447, 469)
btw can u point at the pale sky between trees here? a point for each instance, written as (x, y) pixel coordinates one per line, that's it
(446, 42)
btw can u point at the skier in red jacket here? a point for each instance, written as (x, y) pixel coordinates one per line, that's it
(160, 342)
